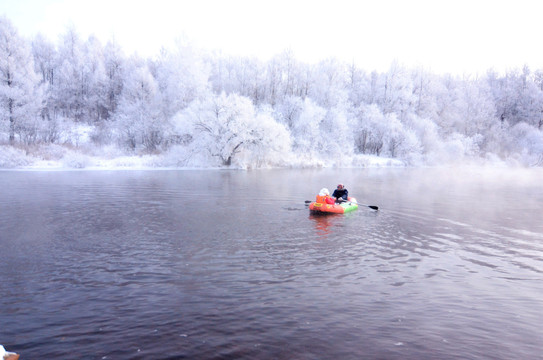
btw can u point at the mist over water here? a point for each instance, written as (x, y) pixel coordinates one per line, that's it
(230, 264)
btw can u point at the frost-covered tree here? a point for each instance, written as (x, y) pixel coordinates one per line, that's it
(337, 136)
(330, 84)
(358, 86)
(266, 109)
(274, 141)
(369, 132)
(243, 76)
(306, 133)
(227, 125)
(274, 80)
(429, 94)
(289, 110)
(223, 73)
(20, 91)
(400, 141)
(138, 121)
(530, 99)
(264, 83)
(45, 55)
(524, 143)
(69, 90)
(80, 89)
(114, 66)
(397, 92)
(475, 110)
(182, 76)
(518, 96)
(96, 82)
(252, 80)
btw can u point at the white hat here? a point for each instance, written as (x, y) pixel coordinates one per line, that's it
(324, 191)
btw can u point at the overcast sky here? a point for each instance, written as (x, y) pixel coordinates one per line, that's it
(443, 36)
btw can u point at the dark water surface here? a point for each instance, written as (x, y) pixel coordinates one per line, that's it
(230, 265)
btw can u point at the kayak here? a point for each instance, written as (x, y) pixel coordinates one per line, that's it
(342, 208)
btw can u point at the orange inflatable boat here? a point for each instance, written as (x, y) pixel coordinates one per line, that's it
(344, 207)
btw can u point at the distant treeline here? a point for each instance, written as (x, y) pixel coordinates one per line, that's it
(213, 110)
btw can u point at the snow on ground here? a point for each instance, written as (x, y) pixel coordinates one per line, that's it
(55, 157)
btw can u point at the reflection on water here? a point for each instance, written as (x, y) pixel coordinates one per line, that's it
(228, 264)
(323, 223)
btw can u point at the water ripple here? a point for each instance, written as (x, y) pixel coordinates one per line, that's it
(119, 265)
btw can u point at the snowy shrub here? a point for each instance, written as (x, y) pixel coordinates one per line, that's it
(527, 141)
(452, 151)
(184, 156)
(273, 145)
(50, 151)
(102, 134)
(76, 161)
(78, 134)
(426, 132)
(12, 157)
(361, 160)
(106, 151)
(457, 148)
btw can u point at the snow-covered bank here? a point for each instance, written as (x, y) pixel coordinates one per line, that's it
(91, 157)
(56, 157)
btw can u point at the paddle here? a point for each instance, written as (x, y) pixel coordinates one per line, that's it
(370, 206)
(354, 202)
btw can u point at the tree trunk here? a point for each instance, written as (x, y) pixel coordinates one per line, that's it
(228, 160)
(11, 123)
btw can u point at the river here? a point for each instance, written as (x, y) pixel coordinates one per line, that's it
(219, 264)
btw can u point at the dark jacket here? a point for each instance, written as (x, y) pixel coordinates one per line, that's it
(340, 193)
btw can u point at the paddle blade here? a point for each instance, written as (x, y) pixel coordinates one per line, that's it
(373, 207)
(308, 201)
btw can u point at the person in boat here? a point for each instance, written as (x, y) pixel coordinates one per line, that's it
(324, 197)
(341, 194)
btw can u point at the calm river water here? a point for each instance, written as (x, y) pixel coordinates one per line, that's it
(230, 265)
